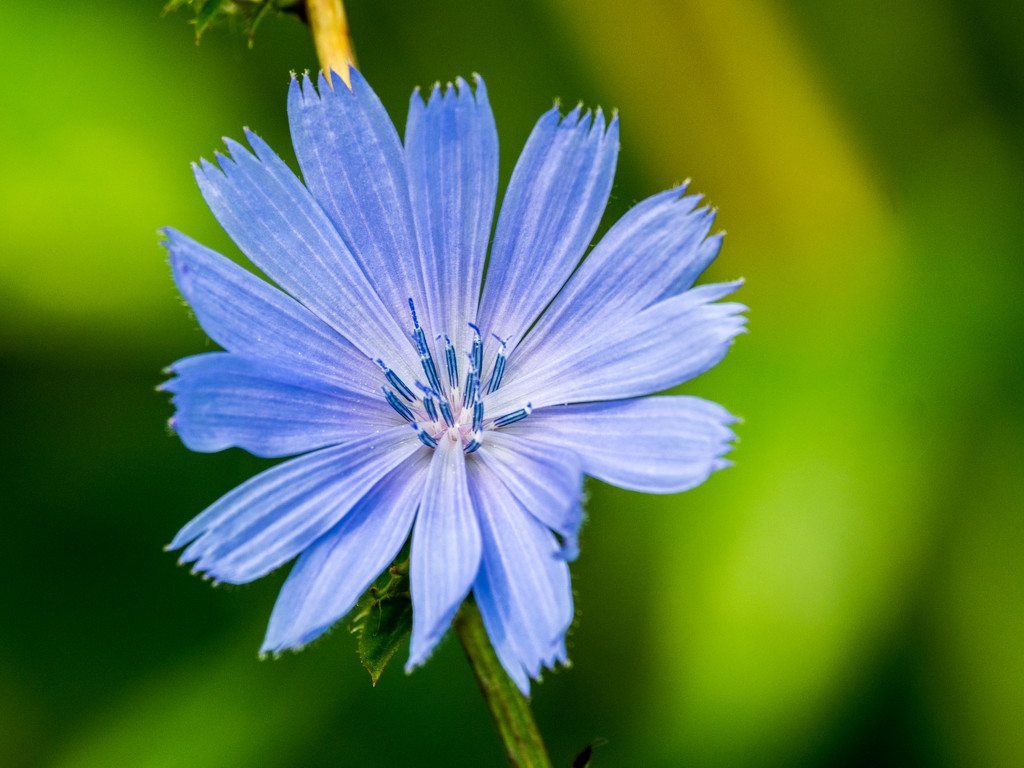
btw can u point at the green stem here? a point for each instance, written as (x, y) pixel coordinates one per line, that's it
(509, 708)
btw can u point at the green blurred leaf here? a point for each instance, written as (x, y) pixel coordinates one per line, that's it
(262, 10)
(385, 621)
(251, 12)
(209, 11)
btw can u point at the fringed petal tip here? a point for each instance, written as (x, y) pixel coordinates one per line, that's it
(297, 80)
(327, 83)
(276, 645)
(207, 568)
(177, 243)
(422, 647)
(458, 89)
(590, 122)
(413, 662)
(680, 190)
(181, 538)
(335, 81)
(570, 549)
(522, 673)
(569, 538)
(480, 89)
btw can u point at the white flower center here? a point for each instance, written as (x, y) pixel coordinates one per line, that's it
(455, 409)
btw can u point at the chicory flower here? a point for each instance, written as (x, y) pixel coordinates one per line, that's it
(420, 397)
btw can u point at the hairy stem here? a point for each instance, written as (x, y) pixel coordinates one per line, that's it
(330, 35)
(509, 708)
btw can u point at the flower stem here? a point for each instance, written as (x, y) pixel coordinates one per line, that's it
(333, 44)
(509, 708)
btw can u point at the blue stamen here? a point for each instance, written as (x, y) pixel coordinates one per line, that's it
(499, 368)
(478, 403)
(512, 418)
(426, 359)
(432, 401)
(477, 355)
(446, 412)
(396, 382)
(472, 383)
(453, 363)
(429, 403)
(397, 404)
(475, 443)
(426, 439)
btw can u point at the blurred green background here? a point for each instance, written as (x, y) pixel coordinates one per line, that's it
(851, 593)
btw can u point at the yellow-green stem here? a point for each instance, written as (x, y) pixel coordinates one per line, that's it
(331, 36)
(509, 708)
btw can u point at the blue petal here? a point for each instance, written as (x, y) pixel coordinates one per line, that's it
(551, 210)
(669, 343)
(705, 254)
(451, 149)
(267, 408)
(650, 444)
(352, 161)
(281, 228)
(445, 554)
(523, 587)
(546, 479)
(247, 315)
(272, 517)
(331, 575)
(654, 247)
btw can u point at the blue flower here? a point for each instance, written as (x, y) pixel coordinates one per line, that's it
(419, 401)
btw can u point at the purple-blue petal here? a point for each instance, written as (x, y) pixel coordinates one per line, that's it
(650, 444)
(268, 408)
(546, 479)
(272, 517)
(353, 163)
(669, 343)
(451, 149)
(333, 573)
(651, 249)
(523, 587)
(550, 212)
(683, 280)
(445, 554)
(273, 218)
(247, 315)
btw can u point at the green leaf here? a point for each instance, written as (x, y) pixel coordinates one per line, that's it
(379, 640)
(385, 622)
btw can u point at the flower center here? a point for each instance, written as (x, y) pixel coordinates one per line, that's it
(452, 410)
